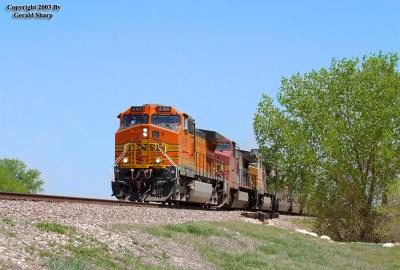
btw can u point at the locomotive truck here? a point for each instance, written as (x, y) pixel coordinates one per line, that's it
(161, 156)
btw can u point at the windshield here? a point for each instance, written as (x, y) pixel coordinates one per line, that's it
(223, 146)
(132, 119)
(172, 122)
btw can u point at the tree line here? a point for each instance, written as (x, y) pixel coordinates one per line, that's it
(332, 137)
(15, 176)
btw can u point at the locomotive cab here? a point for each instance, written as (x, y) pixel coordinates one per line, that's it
(146, 147)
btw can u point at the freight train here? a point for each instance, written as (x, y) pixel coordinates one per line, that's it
(161, 156)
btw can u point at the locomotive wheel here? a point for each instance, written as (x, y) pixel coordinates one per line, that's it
(260, 202)
(121, 195)
(127, 193)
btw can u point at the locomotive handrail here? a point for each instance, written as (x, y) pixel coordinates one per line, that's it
(117, 161)
(165, 154)
(121, 156)
(170, 160)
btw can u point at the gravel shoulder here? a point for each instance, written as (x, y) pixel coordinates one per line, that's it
(32, 232)
(24, 246)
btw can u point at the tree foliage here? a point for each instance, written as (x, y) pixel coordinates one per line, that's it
(334, 139)
(8, 182)
(16, 177)
(390, 211)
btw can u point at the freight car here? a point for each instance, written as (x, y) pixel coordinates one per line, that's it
(160, 156)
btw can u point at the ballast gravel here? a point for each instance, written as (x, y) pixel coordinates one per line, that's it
(119, 228)
(21, 241)
(76, 214)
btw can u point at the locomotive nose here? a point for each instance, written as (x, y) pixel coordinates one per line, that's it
(145, 132)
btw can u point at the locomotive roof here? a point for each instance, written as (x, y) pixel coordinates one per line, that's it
(213, 136)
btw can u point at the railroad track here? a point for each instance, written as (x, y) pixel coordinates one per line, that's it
(69, 199)
(56, 198)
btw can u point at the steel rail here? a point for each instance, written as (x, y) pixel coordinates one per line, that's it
(70, 199)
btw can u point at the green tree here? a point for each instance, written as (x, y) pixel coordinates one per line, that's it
(390, 231)
(8, 182)
(16, 177)
(334, 139)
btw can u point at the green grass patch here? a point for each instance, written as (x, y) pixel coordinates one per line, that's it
(30, 249)
(98, 255)
(68, 263)
(200, 229)
(163, 256)
(45, 253)
(86, 252)
(274, 248)
(280, 249)
(159, 232)
(225, 245)
(9, 221)
(54, 227)
(131, 262)
(230, 260)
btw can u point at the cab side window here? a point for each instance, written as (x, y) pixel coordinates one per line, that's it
(186, 124)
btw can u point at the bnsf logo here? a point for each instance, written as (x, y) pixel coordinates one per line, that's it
(151, 147)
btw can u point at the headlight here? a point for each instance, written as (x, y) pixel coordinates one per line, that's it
(145, 130)
(125, 160)
(158, 160)
(144, 134)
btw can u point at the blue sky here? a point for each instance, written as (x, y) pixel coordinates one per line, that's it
(64, 81)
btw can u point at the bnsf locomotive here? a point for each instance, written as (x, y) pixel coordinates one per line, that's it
(160, 156)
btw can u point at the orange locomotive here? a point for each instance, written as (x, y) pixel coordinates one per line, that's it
(161, 156)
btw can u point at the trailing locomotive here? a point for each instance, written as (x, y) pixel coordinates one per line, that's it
(160, 156)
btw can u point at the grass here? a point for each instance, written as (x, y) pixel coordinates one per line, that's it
(83, 255)
(224, 245)
(30, 249)
(274, 248)
(85, 251)
(68, 263)
(100, 256)
(8, 221)
(131, 262)
(192, 228)
(54, 227)
(97, 255)
(305, 223)
(163, 256)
